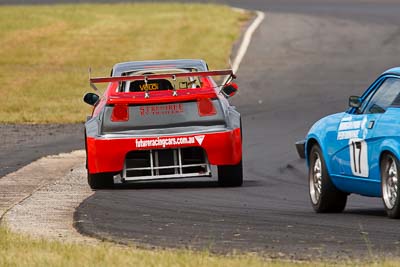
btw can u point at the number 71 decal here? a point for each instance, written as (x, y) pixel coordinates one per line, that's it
(359, 157)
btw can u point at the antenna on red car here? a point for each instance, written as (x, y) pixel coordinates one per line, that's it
(229, 77)
(90, 81)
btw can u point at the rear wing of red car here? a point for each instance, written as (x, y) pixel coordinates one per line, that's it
(160, 96)
(162, 76)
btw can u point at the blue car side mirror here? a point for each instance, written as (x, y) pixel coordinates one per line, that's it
(355, 101)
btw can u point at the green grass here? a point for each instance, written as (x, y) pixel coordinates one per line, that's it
(45, 51)
(18, 250)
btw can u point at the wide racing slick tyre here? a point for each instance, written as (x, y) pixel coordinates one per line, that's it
(325, 197)
(390, 185)
(230, 175)
(100, 180)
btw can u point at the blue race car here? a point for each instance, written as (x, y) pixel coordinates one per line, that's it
(357, 151)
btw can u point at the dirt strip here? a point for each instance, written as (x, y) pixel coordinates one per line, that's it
(40, 198)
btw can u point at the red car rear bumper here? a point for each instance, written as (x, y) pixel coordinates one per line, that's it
(108, 154)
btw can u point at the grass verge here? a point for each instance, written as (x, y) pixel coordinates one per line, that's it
(18, 250)
(46, 50)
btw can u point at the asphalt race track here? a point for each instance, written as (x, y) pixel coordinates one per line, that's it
(304, 61)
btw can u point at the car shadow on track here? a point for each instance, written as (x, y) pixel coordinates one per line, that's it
(370, 212)
(167, 185)
(177, 185)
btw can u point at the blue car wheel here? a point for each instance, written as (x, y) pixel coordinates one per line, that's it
(325, 197)
(390, 185)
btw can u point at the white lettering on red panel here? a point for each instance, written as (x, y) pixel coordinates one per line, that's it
(162, 142)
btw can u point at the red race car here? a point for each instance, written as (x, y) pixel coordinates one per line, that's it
(163, 119)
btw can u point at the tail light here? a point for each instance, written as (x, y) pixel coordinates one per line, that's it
(206, 107)
(120, 113)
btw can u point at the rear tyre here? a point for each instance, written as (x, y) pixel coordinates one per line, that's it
(230, 175)
(100, 180)
(390, 185)
(325, 197)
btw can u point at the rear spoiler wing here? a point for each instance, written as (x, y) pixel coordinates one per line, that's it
(162, 76)
(172, 76)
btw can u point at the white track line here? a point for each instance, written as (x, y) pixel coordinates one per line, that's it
(246, 41)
